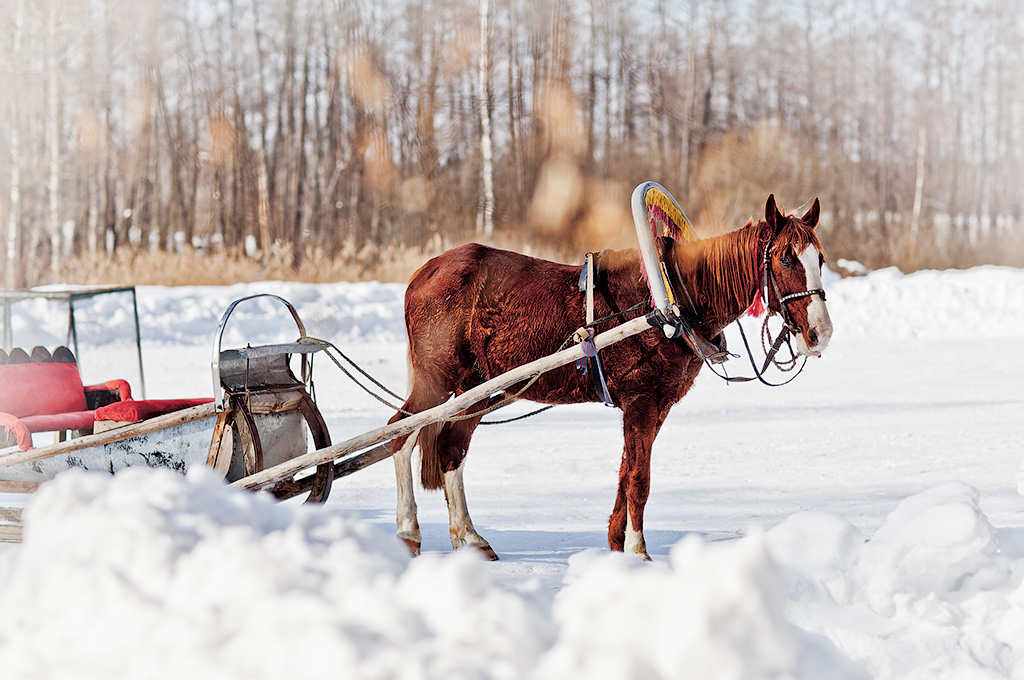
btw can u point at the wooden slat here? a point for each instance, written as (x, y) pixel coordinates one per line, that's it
(10, 515)
(104, 425)
(10, 533)
(356, 463)
(450, 408)
(18, 487)
(110, 436)
(291, 488)
(222, 445)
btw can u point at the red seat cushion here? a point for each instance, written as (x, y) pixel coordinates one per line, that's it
(21, 429)
(40, 388)
(12, 429)
(78, 420)
(134, 411)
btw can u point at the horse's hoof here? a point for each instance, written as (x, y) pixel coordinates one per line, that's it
(413, 546)
(488, 553)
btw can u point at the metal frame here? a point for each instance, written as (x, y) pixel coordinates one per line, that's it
(249, 352)
(7, 297)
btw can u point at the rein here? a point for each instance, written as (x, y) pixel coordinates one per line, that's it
(493, 404)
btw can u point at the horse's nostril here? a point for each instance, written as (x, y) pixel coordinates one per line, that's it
(812, 335)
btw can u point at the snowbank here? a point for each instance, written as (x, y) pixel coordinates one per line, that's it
(148, 574)
(929, 595)
(189, 315)
(960, 304)
(715, 611)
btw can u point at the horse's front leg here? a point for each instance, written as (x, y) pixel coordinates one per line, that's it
(641, 421)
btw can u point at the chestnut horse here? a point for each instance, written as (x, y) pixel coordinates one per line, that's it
(476, 312)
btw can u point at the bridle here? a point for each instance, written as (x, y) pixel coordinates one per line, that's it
(784, 300)
(789, 328)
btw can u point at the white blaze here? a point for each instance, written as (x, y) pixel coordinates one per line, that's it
(817, 313)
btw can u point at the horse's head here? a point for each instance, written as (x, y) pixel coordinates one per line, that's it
(794, 259)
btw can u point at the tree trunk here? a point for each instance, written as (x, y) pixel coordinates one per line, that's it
(300, 166)
(53, 134)
(485, 219)
(13, 278)
(515, 104)
(915, 222)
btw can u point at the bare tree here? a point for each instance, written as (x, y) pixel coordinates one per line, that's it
(485, 220)
(13, 277)
(350, 126)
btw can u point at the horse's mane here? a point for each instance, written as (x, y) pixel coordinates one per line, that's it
(726, 267)
(726, 271)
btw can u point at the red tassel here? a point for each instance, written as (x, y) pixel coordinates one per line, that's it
(756, 307)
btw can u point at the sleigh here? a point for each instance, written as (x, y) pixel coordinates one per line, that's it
(262, 415)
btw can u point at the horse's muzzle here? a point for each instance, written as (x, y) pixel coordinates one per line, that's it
(815, 339)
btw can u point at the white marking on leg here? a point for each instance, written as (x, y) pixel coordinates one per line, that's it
(460, 524)
(634, 542)
(817, 313)
(405, 515)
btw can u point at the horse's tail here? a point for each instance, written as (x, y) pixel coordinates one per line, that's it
(431, 474)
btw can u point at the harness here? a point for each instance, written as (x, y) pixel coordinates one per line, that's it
(591, 361)
(677, 325)
(674, 323)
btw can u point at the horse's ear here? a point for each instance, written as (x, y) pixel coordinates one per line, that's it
(811, 216)
(771, 211)
(771, 214)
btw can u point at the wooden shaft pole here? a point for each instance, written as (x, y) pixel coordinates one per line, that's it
(438, 413)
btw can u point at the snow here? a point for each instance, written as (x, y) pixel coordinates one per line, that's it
(865, 521)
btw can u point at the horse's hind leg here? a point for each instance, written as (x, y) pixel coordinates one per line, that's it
(452, 446)
(460, 524)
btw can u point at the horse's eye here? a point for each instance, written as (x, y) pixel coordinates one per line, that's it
(786, 262)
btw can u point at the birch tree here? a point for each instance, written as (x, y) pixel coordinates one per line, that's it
(54, 74)
(13, 278)
(485, 219)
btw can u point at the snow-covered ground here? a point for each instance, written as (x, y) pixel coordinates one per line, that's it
(862, 522)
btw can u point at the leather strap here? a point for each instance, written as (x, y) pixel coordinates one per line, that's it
(589, 265)
(585, 335)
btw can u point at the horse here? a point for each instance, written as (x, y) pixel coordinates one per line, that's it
(475, 312)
